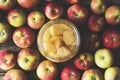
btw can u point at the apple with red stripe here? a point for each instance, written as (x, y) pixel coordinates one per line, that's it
(28, 3)
(16, 17)
(28, 59)
(83, 61)
(53, 10)
(5, 32)
(47, 70)
(96, 23)
(15, 74)
(23, 37)
(112, 15)
(111, 38)
(35, 19)
(70, 73)
(7, 59)
(77, 13)
(7, 5)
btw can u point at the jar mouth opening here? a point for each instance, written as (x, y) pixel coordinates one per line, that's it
(58, 58)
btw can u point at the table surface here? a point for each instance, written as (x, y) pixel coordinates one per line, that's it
(32, 74)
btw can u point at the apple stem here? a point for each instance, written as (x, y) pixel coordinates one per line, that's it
(26, 60)
(47, 70)
(14, 17)
(54, 11)
(2, 33)
(93, 78)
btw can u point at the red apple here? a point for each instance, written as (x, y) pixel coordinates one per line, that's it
(92, 74)
(96, 23)
(16, 17)
(7, 59)
(28, 59)
(47, 70)
(35, 19)
(53, 10)
(28, 3)
(83, 61)
(5, 32)
(112, 15)
(111, 38)
(91, 41)
(15, 74)
(98, 6)
(70, 73)
(72, 1)
(7, 4)
(24, 37)
(77, 13)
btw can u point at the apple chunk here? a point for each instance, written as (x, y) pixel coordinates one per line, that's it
(63, 51)
(56, 30)
(49, 47)
(68, 37)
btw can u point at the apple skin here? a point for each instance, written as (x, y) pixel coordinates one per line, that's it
(15, 74)
(98, 6)
(92, 74)
(83, 61)
(111, 38)
(91, 41)
(7, 59)
(28, 3)
(5, 32)
(112, 15)
(47, 70)
(28, 59)
(16, 17)
(53, 10)
(72, 1)
(70, 73)
(35, 19)
(23, 37)
(104, 58)
(77, 13)
(7, 5)
(96, 23)
(112, 73)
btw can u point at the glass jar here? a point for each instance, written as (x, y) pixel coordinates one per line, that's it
(58, 40)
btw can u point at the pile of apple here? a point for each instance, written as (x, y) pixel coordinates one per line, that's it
(99, 26)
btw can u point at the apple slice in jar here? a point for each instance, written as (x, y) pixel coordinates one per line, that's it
(56, 30)
(47, 35)
(68, 37)
(49, 47)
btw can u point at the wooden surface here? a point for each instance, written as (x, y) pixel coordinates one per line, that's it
(32, 74)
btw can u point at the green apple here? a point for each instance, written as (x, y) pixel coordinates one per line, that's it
(92, 74)
(28, 59)
(4, 32)
(104, 58)
(16, 17)
(35, 19)
(112, 73)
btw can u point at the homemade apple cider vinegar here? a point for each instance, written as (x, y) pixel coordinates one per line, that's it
(58, 40)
